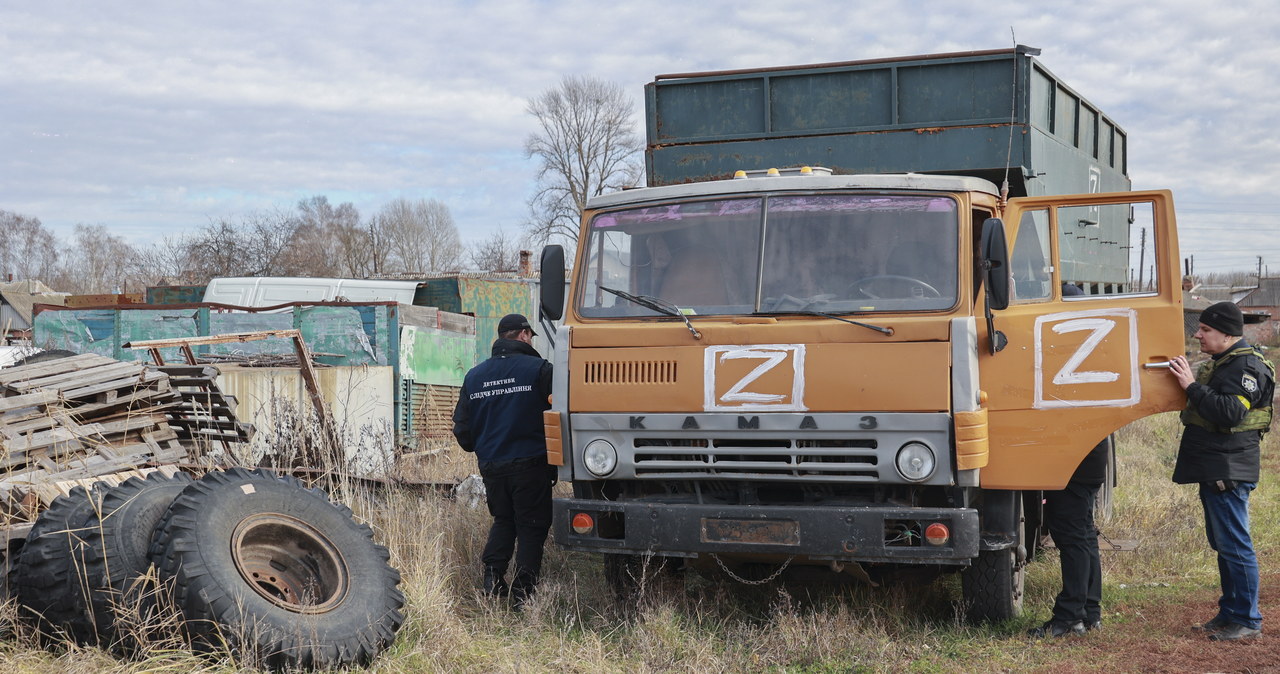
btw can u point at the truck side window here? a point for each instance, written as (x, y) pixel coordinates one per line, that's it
(1109, 249)
(1032, 261)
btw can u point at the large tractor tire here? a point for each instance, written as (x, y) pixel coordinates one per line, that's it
(122, 604)
(277, 573)
(48, 577)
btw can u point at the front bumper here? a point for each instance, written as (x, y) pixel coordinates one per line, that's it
(843, 533)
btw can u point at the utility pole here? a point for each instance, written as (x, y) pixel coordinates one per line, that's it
(1142, 257)
(1259, 271)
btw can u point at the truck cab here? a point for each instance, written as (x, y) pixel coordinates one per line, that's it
(865, 372)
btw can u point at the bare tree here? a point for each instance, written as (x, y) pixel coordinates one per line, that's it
(329, 240)
(499, 252)
(27, 249)
(98, 262)
(586, 145)
(256, 245)
(420, 236)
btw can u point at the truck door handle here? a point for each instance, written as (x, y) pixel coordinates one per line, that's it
(1156, 366)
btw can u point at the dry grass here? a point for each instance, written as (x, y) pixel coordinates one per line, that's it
(701, 622)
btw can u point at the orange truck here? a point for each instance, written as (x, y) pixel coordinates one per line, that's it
(869, 367)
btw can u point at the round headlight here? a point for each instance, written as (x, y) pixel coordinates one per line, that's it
(915, 461)
(600, 457)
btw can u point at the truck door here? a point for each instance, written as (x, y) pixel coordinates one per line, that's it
(1079, 366)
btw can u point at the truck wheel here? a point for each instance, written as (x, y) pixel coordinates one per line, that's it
(992, 585)
(277, 573)
(119, 538)
(47, 575)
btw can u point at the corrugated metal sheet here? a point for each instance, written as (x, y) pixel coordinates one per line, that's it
(361, 399)
(1266, 295)
(431, 415)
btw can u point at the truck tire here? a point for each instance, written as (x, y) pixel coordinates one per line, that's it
(276, 573)
(992, 585)
(48, 574)
(117, 561)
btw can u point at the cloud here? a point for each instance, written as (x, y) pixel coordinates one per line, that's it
(155, 116)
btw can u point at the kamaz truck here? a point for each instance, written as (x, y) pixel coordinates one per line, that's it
(832, 331)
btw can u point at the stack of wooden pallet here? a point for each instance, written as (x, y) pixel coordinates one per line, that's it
(83, 417)
(206, 414)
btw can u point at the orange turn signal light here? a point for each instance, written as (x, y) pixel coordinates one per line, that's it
(937, 534)
(583, 523)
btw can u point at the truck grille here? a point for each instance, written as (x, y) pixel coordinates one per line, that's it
(629, 372)
(849, 460)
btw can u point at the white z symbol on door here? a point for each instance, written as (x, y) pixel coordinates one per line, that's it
(1118, 328)
(1069, 374)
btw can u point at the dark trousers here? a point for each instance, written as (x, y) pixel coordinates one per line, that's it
(1069, 516)
(519, 497)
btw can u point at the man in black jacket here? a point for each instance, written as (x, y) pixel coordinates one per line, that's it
(499, 417)
(1228, 410)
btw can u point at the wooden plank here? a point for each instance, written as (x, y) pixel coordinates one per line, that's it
(211, 339)
(24, 372)
(139, 380)
(27, 400)
(79, 378)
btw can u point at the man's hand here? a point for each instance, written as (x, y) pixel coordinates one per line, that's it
(1181, 370)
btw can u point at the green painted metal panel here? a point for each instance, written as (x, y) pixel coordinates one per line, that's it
(143, 324)
(358, 335)
(432, 356)
(491, 299)
(946, 114)
(441, 293)
(341, 331)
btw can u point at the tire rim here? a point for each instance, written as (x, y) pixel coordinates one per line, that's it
(289, 563)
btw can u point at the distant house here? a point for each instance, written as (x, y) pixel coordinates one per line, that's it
(1264, 299)
(16, 300)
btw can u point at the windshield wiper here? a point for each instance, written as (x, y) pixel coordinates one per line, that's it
(823, 314)
(656, 304)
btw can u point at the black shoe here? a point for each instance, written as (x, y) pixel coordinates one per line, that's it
(1054, 629)
(1093, 625)
(1214, 625)
(1235, 632)
(495, 584)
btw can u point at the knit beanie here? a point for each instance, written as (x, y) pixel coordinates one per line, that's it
(1225, 317)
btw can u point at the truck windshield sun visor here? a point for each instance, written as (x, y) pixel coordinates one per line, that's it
(816, 254)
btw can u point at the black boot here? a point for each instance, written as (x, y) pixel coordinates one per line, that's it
(523, 587)
(495, 582)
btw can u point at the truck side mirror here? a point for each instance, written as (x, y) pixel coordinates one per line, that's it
(995, 263)
(551, 283)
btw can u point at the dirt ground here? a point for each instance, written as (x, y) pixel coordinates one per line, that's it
(1157, 637)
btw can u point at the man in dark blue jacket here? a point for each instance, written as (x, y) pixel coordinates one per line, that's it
(499, 417)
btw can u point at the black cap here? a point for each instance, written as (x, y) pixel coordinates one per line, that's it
(1225, 317)
(514, 322)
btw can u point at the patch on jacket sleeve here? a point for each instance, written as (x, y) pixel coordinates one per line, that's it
(1249, 383)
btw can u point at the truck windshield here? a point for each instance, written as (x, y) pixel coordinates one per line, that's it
(836, 253)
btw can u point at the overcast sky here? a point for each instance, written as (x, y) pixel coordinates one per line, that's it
(153, 118)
